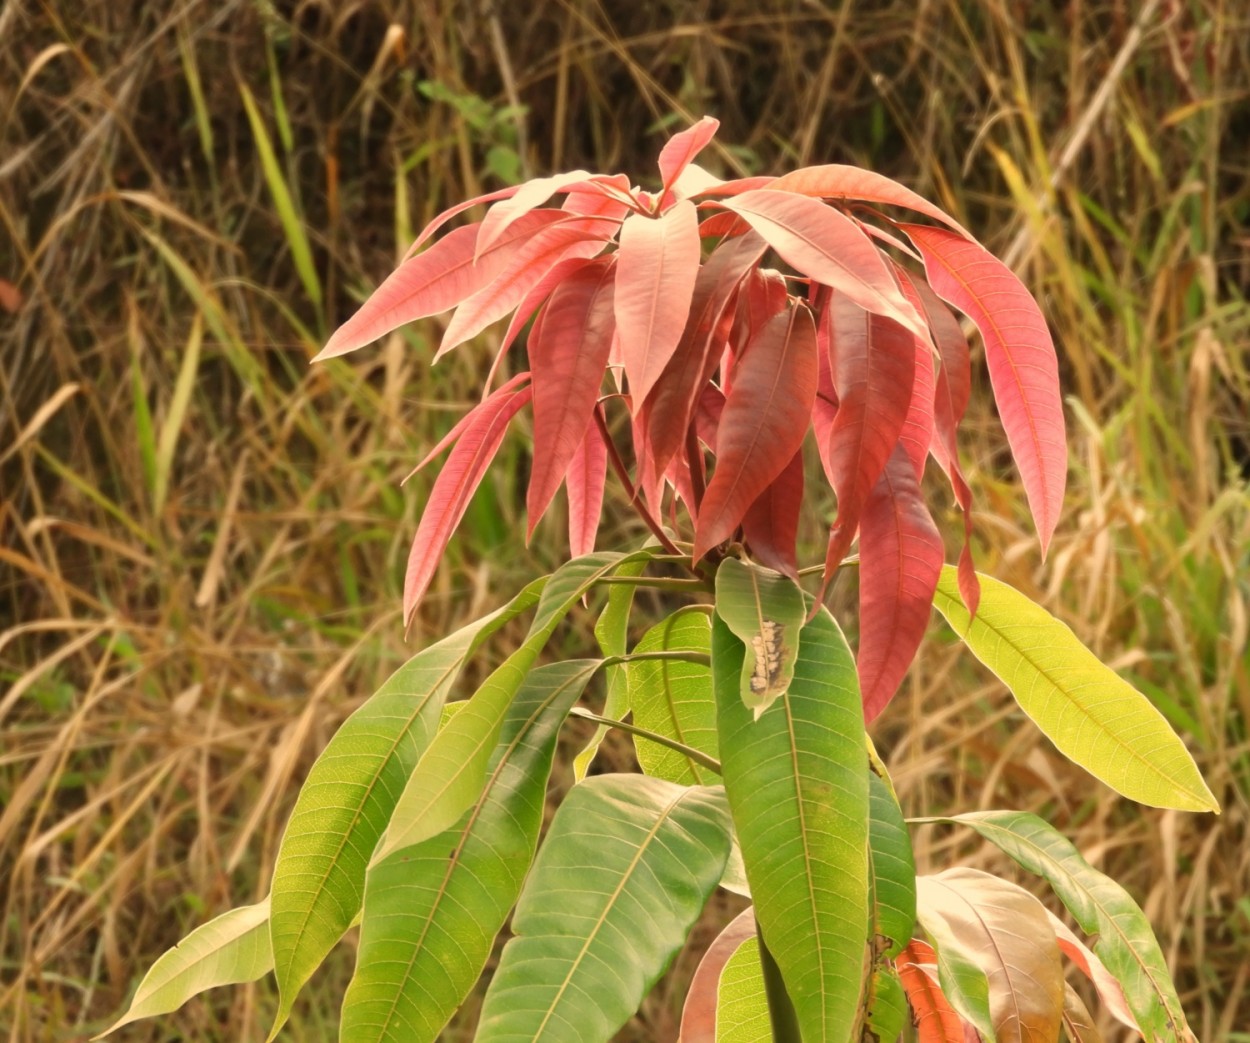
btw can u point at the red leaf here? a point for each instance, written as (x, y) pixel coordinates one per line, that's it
(568, 353)
(771, 524)
(828, 247)
(535, 193)
(668, 409)
(574, 236)
(433, 281)
(763, 294)
(1024, 371)
(538, 293)
(681, 149)
(594, 202)
(657, 267)
(936, 1020)
(698, 1016)
(765, 418)
(1110, 991)
(459, 208)
(918, 428)
(585, 481)
(725, 225)
(874, 363)
(458, 429)
(737, 186)
(900, 559)
(836, 181)
(454, 487)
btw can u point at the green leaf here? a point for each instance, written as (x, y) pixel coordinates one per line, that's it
(887, 1007)
(612, 633)
(449, 777)
(980, 921)
(742, 1006)
(893, 871)
(1125, 942)
(1093, 716)
(674, 699)
(765, 611)
(699, 1012)
(964, 982)
(797, 781)
(230, 949)
(621, 877)
(346, 802)
(432, 911)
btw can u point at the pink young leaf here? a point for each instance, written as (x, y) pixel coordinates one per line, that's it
(694, 181)
(736, 187)
(538, 293)
(658, 263)
(574, 236)
(459, 208)
(708, 413)
(829, 247)
(668, 409)
(680, 150)
(698, 1016)
(900, 559)
(469, 417)
(1024, 371)
(725, 225)
(918, 428)
(1110, 991)
(454, 488)
(874, 361)
(837, 181)
(936, 1020)
(568, 354)
(433, 281)
(585, 481)
(594, 201)
(534, 194)
(825, 408)
(771, 524)
(765, 419)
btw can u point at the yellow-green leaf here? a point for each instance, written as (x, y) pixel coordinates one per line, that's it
(1095, 717)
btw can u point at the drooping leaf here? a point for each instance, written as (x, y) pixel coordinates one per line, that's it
(431, 282)
(837, 181)
(893, 871)
(1110, 991)
(229, 949)
(535, 193)
(450, 774)
(771, 524)
(674, 698)
(699, 1014)
(536, 295)
(459, 208)
(1024, 370)
(873, 368)
(573, 236)
(622, 875)
(568, 353)
(900, 559)
(1094, 717)
(742, 1009)
(430, 919)
(680, 150)
(470, 418)
(612, 636)
(347, 800)
(657, 265)
(1078, 1025)
(1125, 941)
(920, 424)
(828, 247)
(454, 488)
(766, 416)
(765, 611)
(1003, 932)
(887, 1007)
(797, 780)
(586, 478)
(936, 1020)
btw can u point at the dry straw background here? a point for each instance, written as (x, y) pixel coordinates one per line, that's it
(201, 537)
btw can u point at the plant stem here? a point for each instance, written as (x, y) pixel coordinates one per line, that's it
(781, 1015)
(711, 763)
(658, 582)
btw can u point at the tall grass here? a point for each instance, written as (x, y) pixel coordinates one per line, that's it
(201, 538)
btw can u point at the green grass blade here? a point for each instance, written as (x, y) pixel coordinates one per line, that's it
(765, 610)
(449, 777)
(1125, 941)
(228, 950)
(674, 699)
(284, 204)
(429, 920)
(797, 781)
(1094, 717)
(347, 800)
(188, 370)
(620, 879)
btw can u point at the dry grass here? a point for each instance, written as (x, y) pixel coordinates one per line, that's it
(200, 537)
